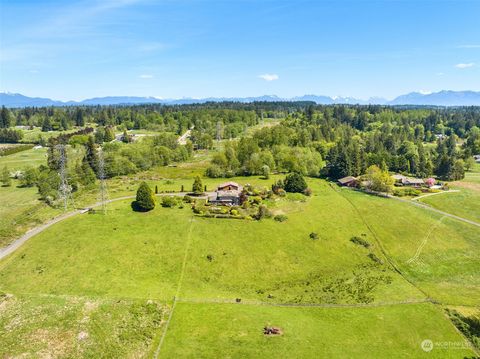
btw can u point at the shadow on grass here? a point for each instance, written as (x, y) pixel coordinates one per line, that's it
(137, 208)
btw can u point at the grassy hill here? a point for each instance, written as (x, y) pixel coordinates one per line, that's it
(354, 301)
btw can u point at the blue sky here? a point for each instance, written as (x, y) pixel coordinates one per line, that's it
(172, 49)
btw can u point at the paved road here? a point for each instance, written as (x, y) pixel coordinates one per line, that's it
(33, 232)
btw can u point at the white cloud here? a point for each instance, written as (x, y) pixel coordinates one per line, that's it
(439, 74)
(146, 76)
(464, 66)
(269, 77)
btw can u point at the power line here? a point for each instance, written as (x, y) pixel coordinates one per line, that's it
(64, 190)
(103, 182)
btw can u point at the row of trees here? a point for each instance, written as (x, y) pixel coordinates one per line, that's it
(339, 141)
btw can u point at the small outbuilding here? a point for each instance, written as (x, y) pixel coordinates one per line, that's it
(348, 181)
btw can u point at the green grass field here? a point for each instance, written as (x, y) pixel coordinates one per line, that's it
(132, 258)
(440, 255)
(20, 210)
(74, 327)
(20, 160)
(235, 331)
(466, 202)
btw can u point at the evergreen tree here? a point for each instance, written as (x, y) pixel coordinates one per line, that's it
(144, 200)
(100, 135)
(5, 118)
(86, 175)
(79, 119)
(295, 182)
(91, 155)
(64, 123)
(47, 125)
(53, 157)
(197, 187)
(109, 134)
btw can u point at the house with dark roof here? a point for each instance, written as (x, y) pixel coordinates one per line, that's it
(401, 180)
(348, 181)
(227, 193)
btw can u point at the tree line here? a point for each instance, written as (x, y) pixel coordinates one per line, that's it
(339, 141)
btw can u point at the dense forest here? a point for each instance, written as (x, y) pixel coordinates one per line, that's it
(339, 141)
(319, 141)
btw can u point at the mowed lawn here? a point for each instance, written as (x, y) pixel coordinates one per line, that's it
(439, 254)
(236, 331)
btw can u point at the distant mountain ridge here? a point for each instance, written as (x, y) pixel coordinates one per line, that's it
(441, 98)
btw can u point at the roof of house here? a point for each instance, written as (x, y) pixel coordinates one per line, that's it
(230, 183)
(398, 177)
(413, 180)
(347, 179)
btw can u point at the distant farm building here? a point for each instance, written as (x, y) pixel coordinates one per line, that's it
(348, 181)
(477, 158)
(401, 180)
(227, 193)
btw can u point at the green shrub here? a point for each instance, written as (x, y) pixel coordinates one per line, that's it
(360, 241)
(256, 200)
(188, 199)
(262, 212)
(280, 218)
(374, 258)
(169, 201)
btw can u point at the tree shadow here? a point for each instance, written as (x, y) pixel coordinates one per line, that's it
(136, 207)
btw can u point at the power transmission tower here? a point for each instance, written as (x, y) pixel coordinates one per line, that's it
(219, 134)
(103, 182)
(64, 191)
